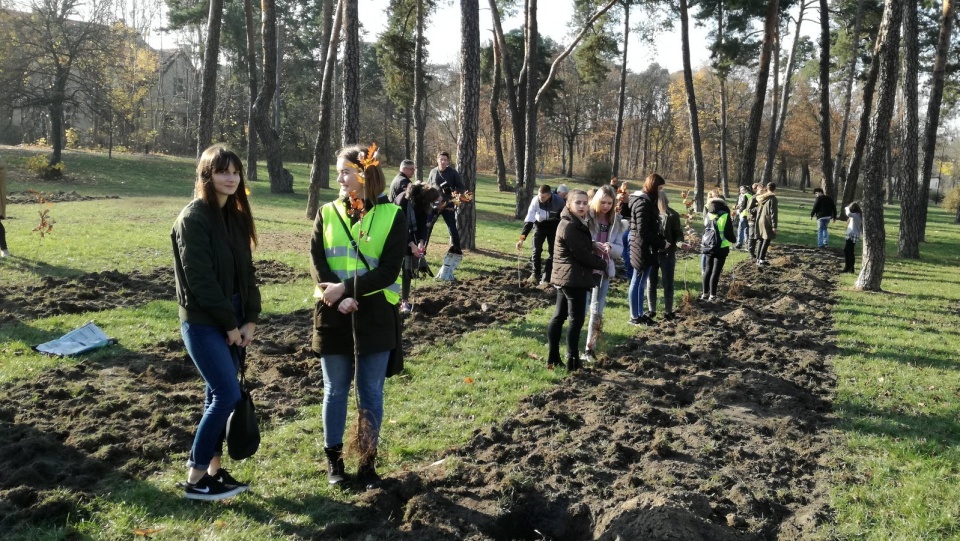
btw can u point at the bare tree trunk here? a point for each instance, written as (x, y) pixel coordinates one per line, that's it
(531, 60)
(623, 91)
(281, 181)
(419, 93)
(350, 123)
(772, 133)
(495, 122)
(469, 121)
(749, 157)
(208, 89)
(933, 108)
(698, 180)
(848, 101)
(850, 187)
(874, 235)
(908, 243)
(516, 114)
(785, 95)
(320, 168)
(826, 158)
(252, 77)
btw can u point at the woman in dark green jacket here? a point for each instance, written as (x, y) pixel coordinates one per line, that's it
(219, 306)
(573, 264)
(672, 230)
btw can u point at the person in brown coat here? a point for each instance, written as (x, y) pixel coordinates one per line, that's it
(766, 221)
(573, 266)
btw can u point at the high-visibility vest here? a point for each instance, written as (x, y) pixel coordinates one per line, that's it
(341, 251)
(721, 224)
(743, 213)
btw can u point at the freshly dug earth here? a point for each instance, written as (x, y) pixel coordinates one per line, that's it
(713, 427)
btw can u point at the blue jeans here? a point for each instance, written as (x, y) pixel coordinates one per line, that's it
(637, 286)
(742, 231)
(338, 373)
(218, 364)
(598, 299)
(626, 255)
(450, 218)
(823, 235)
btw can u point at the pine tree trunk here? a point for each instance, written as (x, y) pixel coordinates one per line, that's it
(621, 103)
(502, 184)
(698, 180)
(419, 93)
(513, 92)
(908, 243)
(281, 181)
(826, 156)
(848, 101)
(785, 93)
(525, 191)
(933, 107)
(772, 132)
(252, 80)
(749, 157)
(469, 121)
(350, 123)
(874, 234)
(208, 88)
(863, 134)
(320, 167)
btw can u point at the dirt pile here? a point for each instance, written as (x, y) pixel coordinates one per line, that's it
(713, 428)
(709, 428)
(63, 432)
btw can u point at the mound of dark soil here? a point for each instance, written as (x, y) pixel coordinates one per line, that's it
(712, 428)
(709, 428)
(97, 291)
(68, 428)
(23, 198)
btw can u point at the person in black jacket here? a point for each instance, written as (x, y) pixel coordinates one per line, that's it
(402, 180)
(646, 241)
(543, 217)
(825, 211)
(717, 212)
(219, 306)
(417, 203)
(574, 263)
(446, 179)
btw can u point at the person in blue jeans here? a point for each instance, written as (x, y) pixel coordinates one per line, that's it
(356, 253)
(671, 228)
(743, 223)
(219, 304)
(645, 243)
(825, 211)
(605, 227)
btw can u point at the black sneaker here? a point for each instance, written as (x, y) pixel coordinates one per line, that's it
(669, 316)
(228, 481)
(209, 489)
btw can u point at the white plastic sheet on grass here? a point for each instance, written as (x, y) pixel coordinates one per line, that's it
(76, 341)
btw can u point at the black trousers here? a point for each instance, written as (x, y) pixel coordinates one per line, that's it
(848, 255)
(3, 237)
(711, 276)
(764, 245)
(542, 232)
(572, 304)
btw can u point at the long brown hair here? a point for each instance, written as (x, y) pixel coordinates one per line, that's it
(651, 186)
(217, 159)
(373, 180)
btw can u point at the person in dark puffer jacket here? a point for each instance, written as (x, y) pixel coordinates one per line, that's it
(646, 241)
(573, 266)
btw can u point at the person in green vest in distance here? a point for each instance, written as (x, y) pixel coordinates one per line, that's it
(356, 252)
(743, 223)
(717, 213)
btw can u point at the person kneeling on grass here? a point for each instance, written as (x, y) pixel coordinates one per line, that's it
(219, 306)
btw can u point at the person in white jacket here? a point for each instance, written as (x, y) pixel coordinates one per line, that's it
(543, 217)
(854, 230)
(606, 228)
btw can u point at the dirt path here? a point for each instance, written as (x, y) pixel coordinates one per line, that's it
(710, 429)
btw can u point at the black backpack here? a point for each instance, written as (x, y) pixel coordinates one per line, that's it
(712, 238)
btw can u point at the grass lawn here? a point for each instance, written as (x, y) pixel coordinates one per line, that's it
(893, 475)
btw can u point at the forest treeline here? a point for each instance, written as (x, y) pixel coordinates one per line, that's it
(849, 95)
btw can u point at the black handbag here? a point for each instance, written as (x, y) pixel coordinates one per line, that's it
(243, 430)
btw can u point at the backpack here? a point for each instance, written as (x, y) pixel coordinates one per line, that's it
(712, 239)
